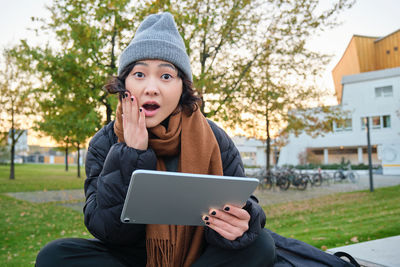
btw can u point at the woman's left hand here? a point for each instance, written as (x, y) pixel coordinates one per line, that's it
(231, 222)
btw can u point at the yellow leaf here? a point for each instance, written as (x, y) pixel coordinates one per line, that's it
(354, 239)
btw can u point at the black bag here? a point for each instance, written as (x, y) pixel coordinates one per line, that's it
(292, 252)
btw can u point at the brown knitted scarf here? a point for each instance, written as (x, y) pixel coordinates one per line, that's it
(192, 139)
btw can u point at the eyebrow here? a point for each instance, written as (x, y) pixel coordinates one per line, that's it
(168, 65)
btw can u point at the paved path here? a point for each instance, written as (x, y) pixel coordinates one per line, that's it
(273, 196)
(266, 197)
(380, 252)
(54, 196)
(49, 196)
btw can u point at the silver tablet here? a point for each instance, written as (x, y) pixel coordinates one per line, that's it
(156, 197)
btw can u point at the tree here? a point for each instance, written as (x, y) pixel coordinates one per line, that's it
(283, 91)
(64, 97)
(75, 67)
(15, 102)
(67, 112)
(71, 122)
(87, 34)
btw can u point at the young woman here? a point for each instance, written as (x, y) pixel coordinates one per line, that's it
(159, 126)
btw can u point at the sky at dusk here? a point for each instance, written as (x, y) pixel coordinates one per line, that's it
(366, 17)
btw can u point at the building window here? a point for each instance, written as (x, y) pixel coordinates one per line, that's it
(363, 122)
(346, 125)
(249, 158)
(386, 121)
(386, 91)
(376, 122)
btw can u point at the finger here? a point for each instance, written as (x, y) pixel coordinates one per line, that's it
(123, 121)
(237, 212)
(132, 117)
(225, 216)
(234, 226)
(124, 111)
(242, 223)
(125, 106)
(142, 120)
(134, 109)
(225, 220)
(223, 229)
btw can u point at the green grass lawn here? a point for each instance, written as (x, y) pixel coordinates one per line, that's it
(35, 177)
(325, 222)
(339, 219)
(26, 227)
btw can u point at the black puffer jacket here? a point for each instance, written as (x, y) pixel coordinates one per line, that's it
(109, 166)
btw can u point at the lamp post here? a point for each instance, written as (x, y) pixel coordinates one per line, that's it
(371, 181)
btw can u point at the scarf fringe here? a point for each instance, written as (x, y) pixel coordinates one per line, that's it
(159, 253)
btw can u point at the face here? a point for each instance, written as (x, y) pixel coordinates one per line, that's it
(156, 86)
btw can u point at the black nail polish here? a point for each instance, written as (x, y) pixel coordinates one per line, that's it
(208, 223)
(126, 94)
(123, 96)
(206, 218)
(226, 208)
(213, 213)
(132, 99)
(140, 109)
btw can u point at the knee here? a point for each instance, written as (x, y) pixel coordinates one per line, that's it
(265, 249)
(51, 254)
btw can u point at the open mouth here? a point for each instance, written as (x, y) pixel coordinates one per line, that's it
(151, 107)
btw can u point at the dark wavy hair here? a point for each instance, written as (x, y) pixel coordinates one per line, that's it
(188, 101)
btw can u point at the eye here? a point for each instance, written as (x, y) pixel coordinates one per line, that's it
(166, 76)
(138, 74)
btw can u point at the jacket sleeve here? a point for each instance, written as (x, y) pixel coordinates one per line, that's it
(109, 166)
(233, 166)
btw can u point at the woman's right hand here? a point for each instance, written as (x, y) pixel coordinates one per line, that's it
(134, 123)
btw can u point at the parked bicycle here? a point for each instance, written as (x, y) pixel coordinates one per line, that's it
(285, 177)
(273, 178)
(298, 180)
(342, 174)
(321, 177)
(314, 179)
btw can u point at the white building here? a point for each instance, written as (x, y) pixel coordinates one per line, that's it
(251, 150)
(367, 84)
(374, 94)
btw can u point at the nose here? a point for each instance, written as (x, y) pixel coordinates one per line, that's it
(152, 88)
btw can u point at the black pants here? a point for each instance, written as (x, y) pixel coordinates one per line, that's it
(92, 252)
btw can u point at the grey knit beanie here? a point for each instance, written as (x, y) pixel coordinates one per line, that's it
(157, 38)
